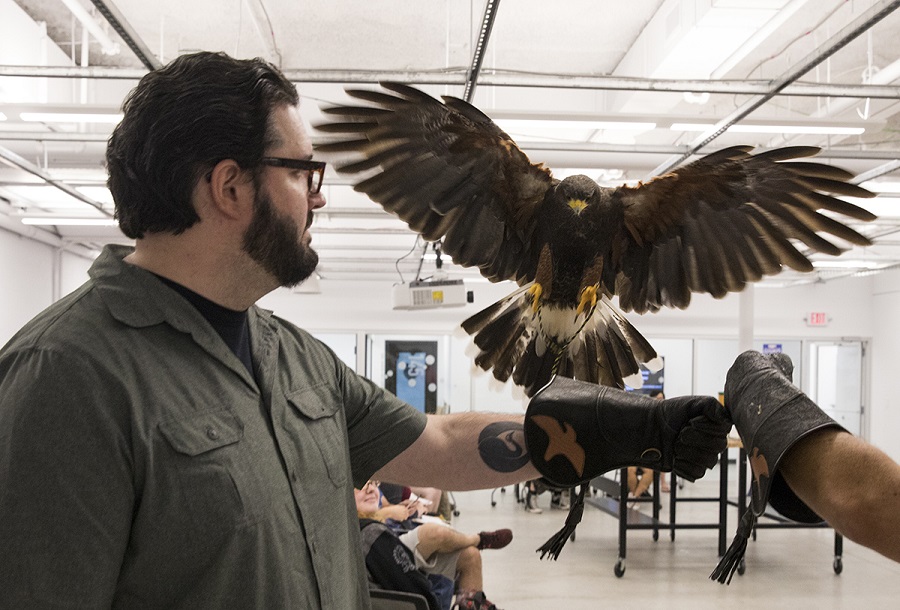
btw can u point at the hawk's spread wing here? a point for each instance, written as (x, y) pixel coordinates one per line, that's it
(449, 172)
(725, 220)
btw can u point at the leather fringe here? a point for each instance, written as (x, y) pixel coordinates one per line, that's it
(555, 544)
(729, 562)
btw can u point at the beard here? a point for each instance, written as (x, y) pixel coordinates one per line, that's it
(274, 241)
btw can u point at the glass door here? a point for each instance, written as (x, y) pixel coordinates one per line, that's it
(836, 381)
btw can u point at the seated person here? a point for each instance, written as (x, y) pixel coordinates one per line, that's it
(640, 479)
(400, 562)
(560, 497)
(434, 501)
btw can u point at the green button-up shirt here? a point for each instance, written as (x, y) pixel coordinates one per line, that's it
(142, 466)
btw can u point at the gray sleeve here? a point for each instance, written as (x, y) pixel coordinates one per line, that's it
(66, 486)
(380, 425)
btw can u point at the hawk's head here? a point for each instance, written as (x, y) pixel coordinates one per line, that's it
(577, 192)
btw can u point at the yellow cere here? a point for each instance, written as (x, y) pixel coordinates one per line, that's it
(578, 205)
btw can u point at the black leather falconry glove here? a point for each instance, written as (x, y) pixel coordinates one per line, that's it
(576, 431)
(771, 415)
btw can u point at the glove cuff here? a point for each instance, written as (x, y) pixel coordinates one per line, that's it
(769, 426)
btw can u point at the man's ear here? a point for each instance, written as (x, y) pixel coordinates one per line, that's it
(231, 189)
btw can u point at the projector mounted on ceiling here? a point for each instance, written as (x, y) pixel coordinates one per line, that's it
(431, 294)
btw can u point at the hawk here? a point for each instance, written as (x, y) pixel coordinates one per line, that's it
(711, 226)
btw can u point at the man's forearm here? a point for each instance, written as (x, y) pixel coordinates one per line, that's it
(852, 485)
(465, 451)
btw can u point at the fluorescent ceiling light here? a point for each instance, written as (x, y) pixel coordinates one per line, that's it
(600, 174)
(797, 129)
(703, 41)
(847, 264)
(882, 186)
(883, 207)
(574, 130)
(526, 124)
(70, 222)
(69, 117)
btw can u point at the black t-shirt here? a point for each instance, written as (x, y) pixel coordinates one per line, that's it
(233, 326)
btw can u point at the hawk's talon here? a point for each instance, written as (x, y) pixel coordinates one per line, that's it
(535, 291)
(588, 299)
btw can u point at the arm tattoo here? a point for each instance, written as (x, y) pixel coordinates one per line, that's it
(502, 446)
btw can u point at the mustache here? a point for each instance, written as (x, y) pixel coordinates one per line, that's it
(309, 220)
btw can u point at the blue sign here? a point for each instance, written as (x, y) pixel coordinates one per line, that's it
(772, 348)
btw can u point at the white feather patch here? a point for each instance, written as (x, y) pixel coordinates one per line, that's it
(654, 365)
(635, 381)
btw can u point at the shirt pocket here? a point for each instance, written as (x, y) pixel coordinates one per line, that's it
(320, 416)
(214, 472)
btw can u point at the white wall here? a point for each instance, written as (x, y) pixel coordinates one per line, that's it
(26, 286)
(885, 360)
(32, 276)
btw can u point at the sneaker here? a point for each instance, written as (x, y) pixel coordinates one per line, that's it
(531, 504)
(476, 601)
(495, 540)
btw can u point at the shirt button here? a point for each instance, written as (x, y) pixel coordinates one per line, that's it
(212, 433)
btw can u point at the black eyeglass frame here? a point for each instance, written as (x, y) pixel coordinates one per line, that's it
(316, 170)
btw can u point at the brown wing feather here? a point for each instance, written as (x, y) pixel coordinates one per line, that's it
(448, 171)
(727, 219)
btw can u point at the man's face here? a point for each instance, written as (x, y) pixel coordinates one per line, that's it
(277, 237)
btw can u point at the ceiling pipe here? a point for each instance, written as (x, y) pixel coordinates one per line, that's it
(885, 76)
(52, 136)
(494, 79)
(487, 26)
(584, 147)
(865, 21)
(127, 33)
(588, 147)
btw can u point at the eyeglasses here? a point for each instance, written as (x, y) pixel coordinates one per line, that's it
(372, 483)
(315, 169)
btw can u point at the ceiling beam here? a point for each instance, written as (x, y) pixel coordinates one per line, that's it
(487, 26)
(127, 33)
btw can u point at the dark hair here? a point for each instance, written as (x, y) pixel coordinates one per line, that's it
(179, 122)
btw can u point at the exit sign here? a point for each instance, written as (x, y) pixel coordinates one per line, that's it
(817, 318)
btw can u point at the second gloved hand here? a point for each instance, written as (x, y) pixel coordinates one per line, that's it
(576, 431)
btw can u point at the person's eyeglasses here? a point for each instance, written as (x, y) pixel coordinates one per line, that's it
(315, 170)
(372, 483)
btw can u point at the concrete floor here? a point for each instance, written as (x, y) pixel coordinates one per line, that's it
(785, 568)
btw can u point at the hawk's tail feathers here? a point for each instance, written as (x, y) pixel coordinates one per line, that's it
(606, 350)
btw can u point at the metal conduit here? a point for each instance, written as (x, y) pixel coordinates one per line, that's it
(498, 79)
(487, 26)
